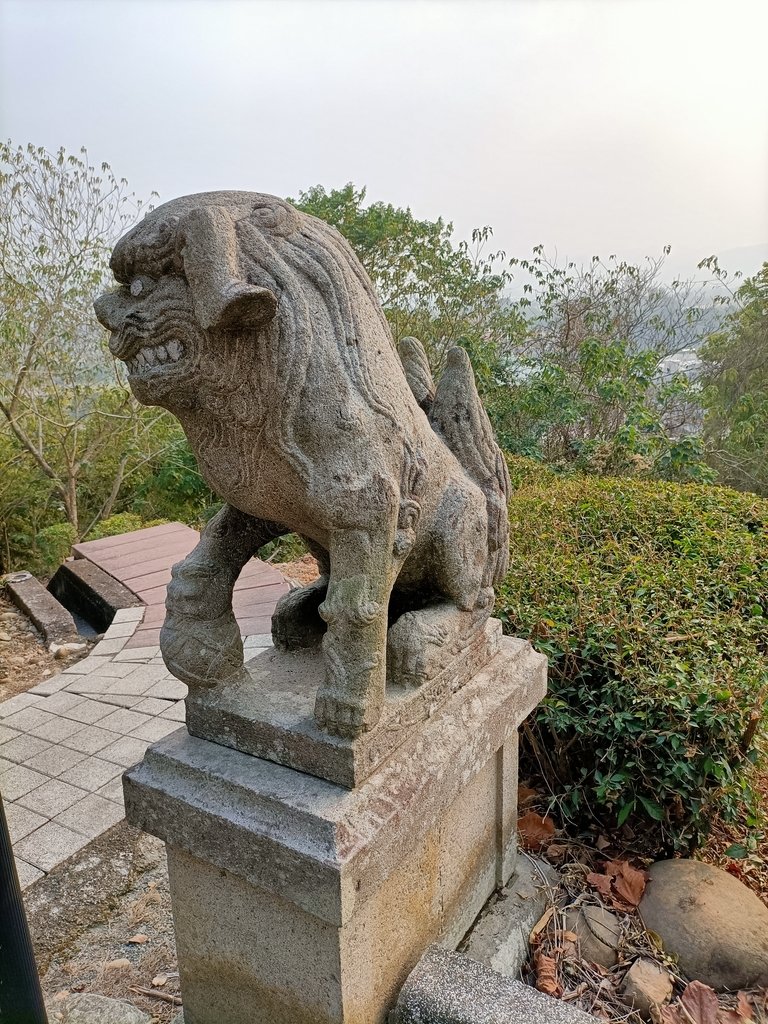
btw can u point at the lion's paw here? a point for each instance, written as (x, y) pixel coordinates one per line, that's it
(414, 650)
(202, 652)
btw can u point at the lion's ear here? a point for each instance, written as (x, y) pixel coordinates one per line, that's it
(222, 298)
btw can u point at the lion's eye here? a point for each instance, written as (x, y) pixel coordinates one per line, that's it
(137, 287)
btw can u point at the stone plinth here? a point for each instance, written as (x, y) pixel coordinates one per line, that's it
(269, 712)
(297, 901)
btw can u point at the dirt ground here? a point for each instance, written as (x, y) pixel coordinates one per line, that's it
(24, 658)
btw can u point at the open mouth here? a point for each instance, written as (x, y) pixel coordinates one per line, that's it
(153, 356)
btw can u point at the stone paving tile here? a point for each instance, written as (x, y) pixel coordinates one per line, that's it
(49, 845)
(7, 734)
(91, 739)
(134, 685)
(155, 730)
(22, 748)
(148, 706)
(129, 614)
(62, 702)
(21, 821)
(26, 720)
(120, 700)
(113, 790)
(55, 760)
(112, 646)
(95, 684)
(18, 703)
(18, 780)
(116, 670)
(118, 629)
(124, 721)
(91, 816)
(27, 873)
(137, 654)
(53, 797)
(127, 751)
(86, 666)
(49, 686)
(57, 730)
(176, 712)
(88, 711)
(91, 774)
(168, 689)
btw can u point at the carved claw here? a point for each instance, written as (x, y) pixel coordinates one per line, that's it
(202, 652)
(343, 709)
(340, 716)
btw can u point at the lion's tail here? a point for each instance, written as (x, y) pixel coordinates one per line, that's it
(458, 417)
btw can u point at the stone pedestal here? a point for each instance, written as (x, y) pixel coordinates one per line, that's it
(299, 901)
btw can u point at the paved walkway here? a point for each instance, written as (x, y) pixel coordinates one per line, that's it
(65, 743)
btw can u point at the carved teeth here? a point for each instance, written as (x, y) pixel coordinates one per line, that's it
(158, 355)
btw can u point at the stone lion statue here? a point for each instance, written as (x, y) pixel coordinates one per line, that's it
(257, 326)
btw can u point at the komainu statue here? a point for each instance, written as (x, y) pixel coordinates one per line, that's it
(257, 326)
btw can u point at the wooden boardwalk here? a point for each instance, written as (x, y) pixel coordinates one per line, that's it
(142, 562)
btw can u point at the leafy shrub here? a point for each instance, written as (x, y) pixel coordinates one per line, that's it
(123, 522)
(52, 545)
(650, 600)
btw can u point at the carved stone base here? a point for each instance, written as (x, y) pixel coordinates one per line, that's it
(296, 901)
(270, 712)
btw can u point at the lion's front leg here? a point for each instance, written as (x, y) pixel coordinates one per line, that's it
(351, 699)
(200, 639)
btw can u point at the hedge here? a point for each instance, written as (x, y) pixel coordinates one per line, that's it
(650, 600)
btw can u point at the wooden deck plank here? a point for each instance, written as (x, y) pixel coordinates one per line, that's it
(142, 562)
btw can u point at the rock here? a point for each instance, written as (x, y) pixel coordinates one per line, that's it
(65, 650)
(5, 638)
(87, 1008)
(646, 985)
(599, 933)
(709, 920)
(116, 965)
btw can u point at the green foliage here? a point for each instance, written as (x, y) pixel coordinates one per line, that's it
(650, 600)
(123, 522)
(284, 549)
(735, 390)
(52, 545)
(441, 292)
(603, 411)
(174, 488)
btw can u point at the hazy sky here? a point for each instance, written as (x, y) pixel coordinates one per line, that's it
(593, 126)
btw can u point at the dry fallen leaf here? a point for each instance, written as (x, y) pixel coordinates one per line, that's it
(138, 940)
(546, 975)
(535, 831)
(744, 1006)
(541, 924)
(621, 884)
(697, 1005)
(525, 795)
(159, 980)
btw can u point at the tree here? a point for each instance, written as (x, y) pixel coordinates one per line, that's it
(441, 292)
(63, 404)
(735, 389)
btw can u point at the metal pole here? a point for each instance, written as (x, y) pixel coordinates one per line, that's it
(21, 998)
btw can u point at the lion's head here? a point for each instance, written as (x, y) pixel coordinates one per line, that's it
(225, 301)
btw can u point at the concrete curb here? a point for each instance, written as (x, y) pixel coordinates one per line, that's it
(449, 988)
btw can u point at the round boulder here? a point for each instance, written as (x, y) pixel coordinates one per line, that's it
(712, 922)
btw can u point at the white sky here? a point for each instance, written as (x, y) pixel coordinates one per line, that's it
(593, 126)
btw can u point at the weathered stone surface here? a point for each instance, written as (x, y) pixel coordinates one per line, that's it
(270, 712)
(296, 900)
(711, 921)
(499, 939)
(87, 1008)
(51, 618)
(90, 592)
(646, 985)
(448, 988)
(599, 933)
(296, 835)
(259, 328)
